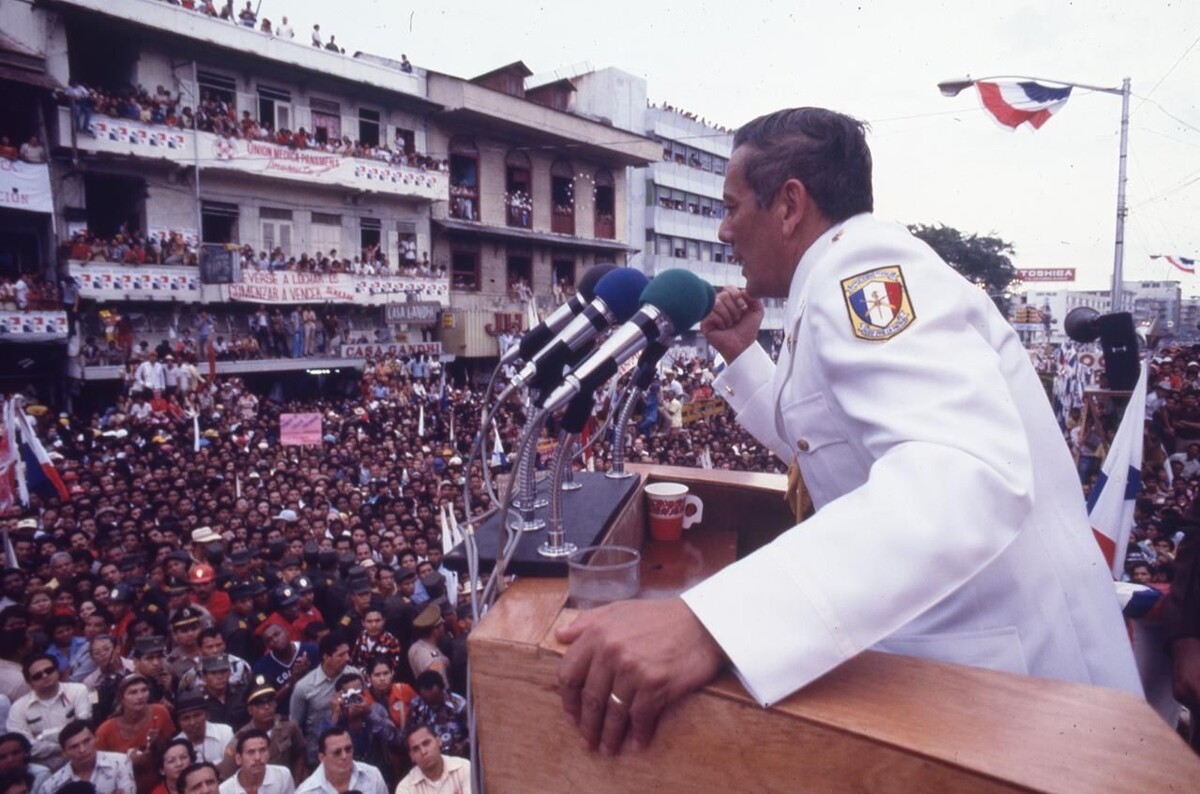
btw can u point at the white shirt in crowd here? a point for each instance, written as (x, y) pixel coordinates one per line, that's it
(216, 738)
(455, 779)
(41, 720)
(277, 780)
(364, 778)
(113, 774)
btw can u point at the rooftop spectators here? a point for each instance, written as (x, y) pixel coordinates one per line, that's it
(131, 248)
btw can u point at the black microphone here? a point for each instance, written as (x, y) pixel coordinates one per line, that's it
(674, 301)
(537, 337)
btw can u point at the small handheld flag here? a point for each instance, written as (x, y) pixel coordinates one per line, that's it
(1016, 103)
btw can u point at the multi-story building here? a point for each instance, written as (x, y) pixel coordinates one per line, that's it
(537, 194)
(1156, 300)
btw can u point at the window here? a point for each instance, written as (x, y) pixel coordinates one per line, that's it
(368, 127)
(464, 180)
(464, 270)
(406, 140)
(371, 239)
(520, 276)
(326, 120)
(564, 277)
(325, 234)
(518, 194)
(218, 222)
(274, 108)
(218, 87)
(276, 230)
(605, 205)
(562, 198)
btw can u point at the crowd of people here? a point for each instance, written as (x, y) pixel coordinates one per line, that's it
(131, 247)
(261, 608)
(31, 151)
(29, 292)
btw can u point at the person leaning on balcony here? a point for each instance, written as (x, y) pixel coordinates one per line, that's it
(32, 151)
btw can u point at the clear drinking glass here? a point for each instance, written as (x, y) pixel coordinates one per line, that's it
(599, 575)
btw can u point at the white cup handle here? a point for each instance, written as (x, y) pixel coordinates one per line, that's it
(696, 517)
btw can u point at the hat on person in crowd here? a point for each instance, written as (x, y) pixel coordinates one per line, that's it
(122, 593)
(404, 574)
(185, 617)
(241, 557)
(287, 515)
(243, 590)
(291, 561)
(205, 535)
(215, 664)
(359, 585)
(201, 574)
(430, 616)
(178, 587)
(260, 690)
(433, 580)
(191, 700)
(303, 584)
(286, 596)
(129, 562)
(181, 555)
(27, 523)
(148, 646)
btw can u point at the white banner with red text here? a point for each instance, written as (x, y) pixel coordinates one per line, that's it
(25, 186)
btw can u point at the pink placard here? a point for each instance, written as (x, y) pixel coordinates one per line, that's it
(300, 429)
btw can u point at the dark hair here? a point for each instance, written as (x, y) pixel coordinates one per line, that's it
(19, 738)
(70, 731)
(16, 776)
(413, 732)
(331, 642)
(30, 661)
(313, 629)
(180, 742)
(210, 632)
(429, 679)
(346, 678)
(253, 733)
(377, 660)
(327, 733)
(825, 150)
(181, 784)
(55, 621)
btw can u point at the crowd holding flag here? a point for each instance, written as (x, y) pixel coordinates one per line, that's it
(1018, 102)
(1111, 502)
(24, 460)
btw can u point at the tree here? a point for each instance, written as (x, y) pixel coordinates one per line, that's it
(983, 261)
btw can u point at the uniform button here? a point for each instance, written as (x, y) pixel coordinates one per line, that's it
(802, 445)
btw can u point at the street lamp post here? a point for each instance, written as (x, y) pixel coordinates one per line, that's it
(952, 88)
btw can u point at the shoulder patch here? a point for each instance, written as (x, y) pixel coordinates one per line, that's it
(878, 303)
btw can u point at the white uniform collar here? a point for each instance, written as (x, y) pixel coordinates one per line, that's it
(815, 253)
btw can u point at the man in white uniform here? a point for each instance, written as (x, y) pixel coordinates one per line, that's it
(912, 413)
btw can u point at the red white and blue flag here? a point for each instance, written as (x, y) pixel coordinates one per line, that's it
(24, 455)
(1110, 504)
(1014, 103)
(1178, 262)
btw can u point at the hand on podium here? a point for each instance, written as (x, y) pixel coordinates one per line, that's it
(627, 662)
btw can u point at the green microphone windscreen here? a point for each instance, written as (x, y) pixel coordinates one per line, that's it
(682, 295)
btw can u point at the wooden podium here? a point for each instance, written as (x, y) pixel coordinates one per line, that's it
(878, 723)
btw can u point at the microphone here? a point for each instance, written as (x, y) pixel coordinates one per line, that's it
(537, 337)
(617, 296)
(674, 301)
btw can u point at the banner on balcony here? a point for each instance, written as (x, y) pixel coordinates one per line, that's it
(25, 186)
(398, 349)
(289, 287)
(33, 326)
(140, 282)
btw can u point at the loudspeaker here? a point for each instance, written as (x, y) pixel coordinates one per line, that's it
(1117, 338)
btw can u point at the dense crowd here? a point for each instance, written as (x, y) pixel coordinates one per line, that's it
(31, 151)
(131, 248)
(218, 591)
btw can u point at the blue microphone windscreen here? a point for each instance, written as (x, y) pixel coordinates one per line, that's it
(587, 282)
(621, 290)
(685, 297)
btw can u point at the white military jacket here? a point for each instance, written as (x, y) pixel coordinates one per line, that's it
(950, 522)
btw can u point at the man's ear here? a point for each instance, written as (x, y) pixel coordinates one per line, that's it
(793, 205)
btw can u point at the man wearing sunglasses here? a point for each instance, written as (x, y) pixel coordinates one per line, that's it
(47, 708)
(338, 770)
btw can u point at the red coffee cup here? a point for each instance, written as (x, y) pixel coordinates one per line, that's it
(672, 509)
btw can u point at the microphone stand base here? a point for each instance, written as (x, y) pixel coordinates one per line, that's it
(528, 525)
(565, 550)
(618, 475)
(572, 485)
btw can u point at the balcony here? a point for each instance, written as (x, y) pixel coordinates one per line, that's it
(120, 137)
(105, 281)
(681, 176)
(165, 18)
(33, 326)
(606, 226)
(682, 223)
(562, 220)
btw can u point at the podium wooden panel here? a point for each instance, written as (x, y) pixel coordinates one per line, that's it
(878, 723)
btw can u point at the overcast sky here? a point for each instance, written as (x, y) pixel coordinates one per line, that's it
(1051, 193)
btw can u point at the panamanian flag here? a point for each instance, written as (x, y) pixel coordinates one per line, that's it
(1015, 103)
(1110, 504)
(1179, 262)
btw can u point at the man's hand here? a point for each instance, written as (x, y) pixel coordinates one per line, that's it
(626, 663)
(1187, 671)
(732, 325)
